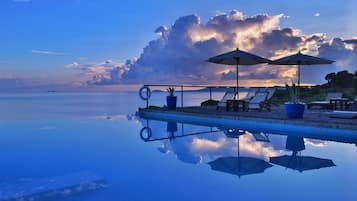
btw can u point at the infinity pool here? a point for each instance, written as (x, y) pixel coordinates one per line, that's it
(58, 135)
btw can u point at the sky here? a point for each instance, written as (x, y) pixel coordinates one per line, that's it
(110, 44)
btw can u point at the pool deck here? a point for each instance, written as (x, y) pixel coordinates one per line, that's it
(312, 117)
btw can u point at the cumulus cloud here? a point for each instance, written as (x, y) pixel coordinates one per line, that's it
(101, 73)
(344, 52)
(193, 149)
(180, 52)
(317, 15)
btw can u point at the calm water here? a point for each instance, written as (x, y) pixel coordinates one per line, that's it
(55, 134)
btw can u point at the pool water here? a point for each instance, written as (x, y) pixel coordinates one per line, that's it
(58, 134)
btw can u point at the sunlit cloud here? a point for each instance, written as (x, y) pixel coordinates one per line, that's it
(99, 72)
(315, 143)
(317, 15)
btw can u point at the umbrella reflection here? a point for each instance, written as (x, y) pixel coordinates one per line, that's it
(298, 162)
(239, 165)
(189, 148)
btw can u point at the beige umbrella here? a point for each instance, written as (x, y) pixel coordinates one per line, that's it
(238, 57)
(300, 59)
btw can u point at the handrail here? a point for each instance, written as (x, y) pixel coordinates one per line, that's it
(189, 86)
(182, 89)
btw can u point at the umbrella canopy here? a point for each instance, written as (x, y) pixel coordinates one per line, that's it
(238, 57)
(239, 165)
(301, 59)
(301, 163)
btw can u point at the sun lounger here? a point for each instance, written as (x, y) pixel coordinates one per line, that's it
(343, 114)
(353, 106)
(327, 102)
(229, 95)
(261, 137)
(259, 102)
(251, 93)
(271, 92)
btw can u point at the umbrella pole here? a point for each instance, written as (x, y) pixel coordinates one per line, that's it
(298, 88)
(238, 156)
(298, 75)
(237, 90)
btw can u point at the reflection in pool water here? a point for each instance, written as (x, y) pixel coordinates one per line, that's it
(234, 150)
(47, 135)
(297, 162)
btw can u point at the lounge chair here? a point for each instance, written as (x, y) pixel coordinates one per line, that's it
(343, 114)
(229, 95)
(259, 102)
(271, 92)
(251, 93)
(261, 137)
(326, 103)
(352, 104)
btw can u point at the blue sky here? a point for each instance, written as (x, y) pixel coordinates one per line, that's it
(40, 37)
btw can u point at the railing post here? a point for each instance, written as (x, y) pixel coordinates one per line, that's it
(181, 96)
(210, 93)
(147, 100)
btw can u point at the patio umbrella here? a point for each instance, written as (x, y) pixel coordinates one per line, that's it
(239, 165)
(298, 162)
(238, 57)
(301, 59)
(301, 163)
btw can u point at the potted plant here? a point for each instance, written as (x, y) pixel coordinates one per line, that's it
(171, 129)
(171, 99)
(294, 108)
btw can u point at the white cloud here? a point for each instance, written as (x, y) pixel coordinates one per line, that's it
(286, 16)
(4, 62)
(47, 52)
(180, 52)
(22, 1)
(317, 14)
(101, 73)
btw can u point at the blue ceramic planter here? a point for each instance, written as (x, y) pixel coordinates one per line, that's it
(171, 102)
(294, 110)
(171, 126)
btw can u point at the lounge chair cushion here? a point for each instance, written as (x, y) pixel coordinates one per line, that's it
(335, 95)
(227, 96)
(343, 114)
(326, 102)
(257, 100)
(251, 93)
(353, 106)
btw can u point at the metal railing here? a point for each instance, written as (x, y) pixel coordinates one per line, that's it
(185, 88)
